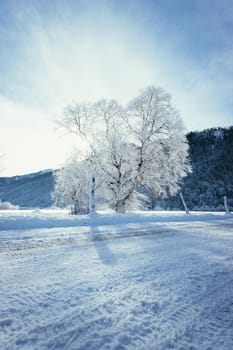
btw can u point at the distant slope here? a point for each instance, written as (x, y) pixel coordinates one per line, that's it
(32, 190)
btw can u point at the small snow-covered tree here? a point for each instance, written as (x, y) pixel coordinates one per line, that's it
(72, 185)
(82, 120)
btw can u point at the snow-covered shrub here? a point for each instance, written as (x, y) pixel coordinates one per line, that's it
(8, 206)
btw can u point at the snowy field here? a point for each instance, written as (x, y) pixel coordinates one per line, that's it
(152, 281)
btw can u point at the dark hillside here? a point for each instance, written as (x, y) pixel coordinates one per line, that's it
(211, 155)
(33, 190)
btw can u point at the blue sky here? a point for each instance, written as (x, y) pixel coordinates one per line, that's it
(54, 52)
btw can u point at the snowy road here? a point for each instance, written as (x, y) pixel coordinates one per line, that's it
(169, 286)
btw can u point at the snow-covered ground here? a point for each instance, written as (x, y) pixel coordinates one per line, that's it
(140, 281)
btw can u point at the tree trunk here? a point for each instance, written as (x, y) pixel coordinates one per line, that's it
(227, 211)
(120, 207)
(92, 194)
(75, 208)
(184, 204)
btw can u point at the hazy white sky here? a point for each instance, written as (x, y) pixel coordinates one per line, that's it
(55, 52)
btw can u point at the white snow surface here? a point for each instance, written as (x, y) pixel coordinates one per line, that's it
(156, 280)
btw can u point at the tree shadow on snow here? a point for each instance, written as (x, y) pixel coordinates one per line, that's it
(100, 243)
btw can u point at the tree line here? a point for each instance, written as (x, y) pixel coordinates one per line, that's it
(211, 154)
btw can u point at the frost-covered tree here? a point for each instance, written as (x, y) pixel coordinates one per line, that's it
(158, 133)
(141, 145)
(117, 167)
(72, 185)
(116, 157)
(101, 125)
(147, 147)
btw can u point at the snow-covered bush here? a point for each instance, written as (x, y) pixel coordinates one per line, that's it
(8, 206)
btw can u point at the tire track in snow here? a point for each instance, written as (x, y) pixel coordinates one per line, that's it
(26, 245)
(197, 319)
(201, 320)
